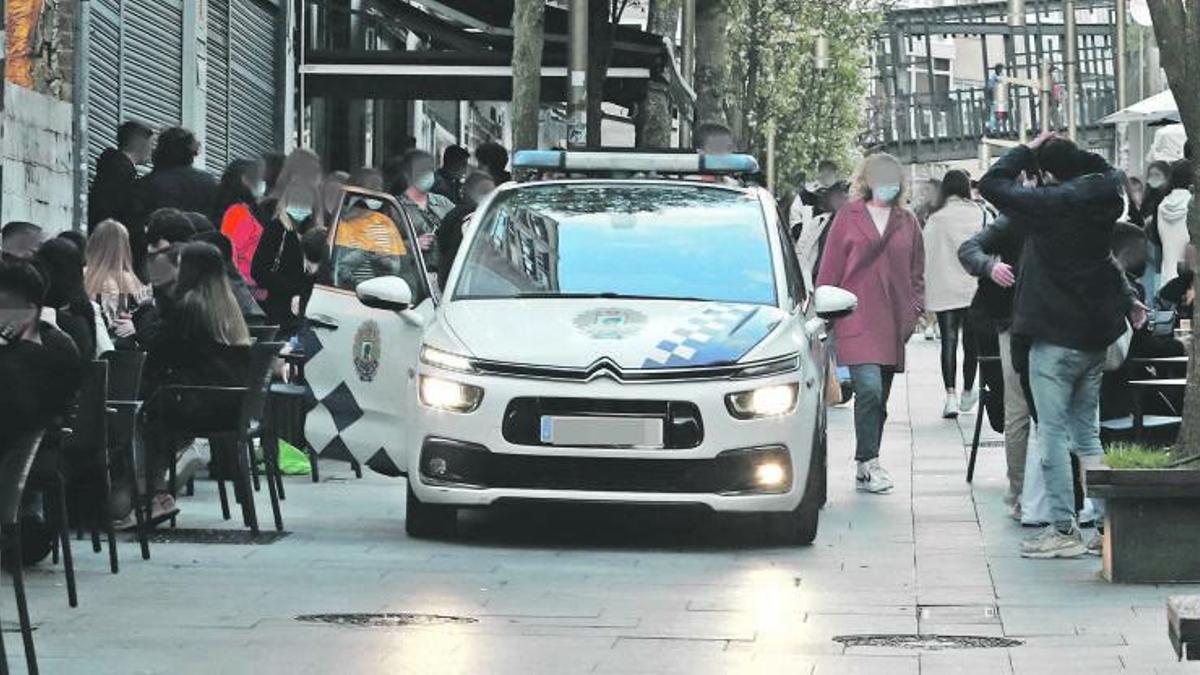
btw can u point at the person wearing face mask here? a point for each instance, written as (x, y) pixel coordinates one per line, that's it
(875, 251)
(278, 263)
(138, 320)
(242, 185)
(425, 209)
(476, 188)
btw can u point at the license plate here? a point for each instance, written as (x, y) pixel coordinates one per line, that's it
(610, 432)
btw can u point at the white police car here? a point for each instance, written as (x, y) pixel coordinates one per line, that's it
(627, 340)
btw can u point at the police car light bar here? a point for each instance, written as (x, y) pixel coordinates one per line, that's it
(654, 162)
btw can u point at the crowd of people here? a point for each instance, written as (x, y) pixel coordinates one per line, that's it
(1054, 261)
(179, 264)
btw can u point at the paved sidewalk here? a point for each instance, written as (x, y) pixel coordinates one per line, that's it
(561, 591)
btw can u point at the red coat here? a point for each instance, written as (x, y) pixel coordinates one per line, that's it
(244, 231)
(888, 276)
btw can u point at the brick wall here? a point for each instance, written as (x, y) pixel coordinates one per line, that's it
(36, 159)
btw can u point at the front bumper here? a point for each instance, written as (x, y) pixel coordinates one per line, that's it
(469, 459)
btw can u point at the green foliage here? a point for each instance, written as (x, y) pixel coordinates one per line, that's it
(816, 114)
(1136, 456)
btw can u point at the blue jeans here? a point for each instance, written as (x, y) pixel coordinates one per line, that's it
(872, 386)
(1066, 391)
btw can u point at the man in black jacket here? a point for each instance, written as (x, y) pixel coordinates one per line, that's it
(1071, 301)
(112, 191)
(174, 183)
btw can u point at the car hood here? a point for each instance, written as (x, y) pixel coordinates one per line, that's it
(633, 334)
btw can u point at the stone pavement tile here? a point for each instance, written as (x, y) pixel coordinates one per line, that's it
(1032, 621)
(867, 665)
(980, 629)
(967, 662)
(1090, 660)
(933, 593)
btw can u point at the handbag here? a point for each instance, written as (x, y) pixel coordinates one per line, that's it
(1118, 351)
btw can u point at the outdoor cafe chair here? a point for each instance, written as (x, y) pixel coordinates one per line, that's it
(232, 444)
(18, 455)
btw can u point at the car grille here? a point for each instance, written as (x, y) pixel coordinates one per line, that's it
(683, 427)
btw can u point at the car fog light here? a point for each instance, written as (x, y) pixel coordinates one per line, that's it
(770, 474)
(437, 467)
(770, 401)
(448, 395)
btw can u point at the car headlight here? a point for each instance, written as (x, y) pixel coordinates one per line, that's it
(769, 401)
(438, 358)
(448, 395)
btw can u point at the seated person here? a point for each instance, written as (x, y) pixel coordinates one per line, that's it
(1131, 250)
(61, 263)
(203, 340)
(167, 230)
(252, 312)
(19, 239)
(1179, 293)
(40, 370)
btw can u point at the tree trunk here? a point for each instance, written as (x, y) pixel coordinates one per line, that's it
(528, 36)
(1178, 33)
(712, 60)
(654, 116)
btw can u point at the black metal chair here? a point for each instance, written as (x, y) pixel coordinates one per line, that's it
(263, 333)
(87, 451)
(17, 455)
(124, 402)
(232, 444)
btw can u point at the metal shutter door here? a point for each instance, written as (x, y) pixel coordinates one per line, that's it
(252, 76)
(153, 62)
(216, 129)
(104, 78)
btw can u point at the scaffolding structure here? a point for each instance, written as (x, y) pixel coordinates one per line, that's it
(919, 113)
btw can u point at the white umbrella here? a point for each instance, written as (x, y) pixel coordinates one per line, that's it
(1158, 107)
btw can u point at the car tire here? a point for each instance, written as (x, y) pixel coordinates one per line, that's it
(799, 526)
(429, 521)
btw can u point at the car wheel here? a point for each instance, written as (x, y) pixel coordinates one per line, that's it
(799, 526)
(429, 521)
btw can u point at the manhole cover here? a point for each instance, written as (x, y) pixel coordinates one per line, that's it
(930, 642)
(201, 536)
(385, 620)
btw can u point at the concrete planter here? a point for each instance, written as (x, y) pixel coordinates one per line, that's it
(1153, 526)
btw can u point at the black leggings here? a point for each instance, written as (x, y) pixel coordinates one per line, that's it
(951, 324)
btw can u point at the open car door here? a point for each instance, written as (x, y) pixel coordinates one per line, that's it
(363, 334)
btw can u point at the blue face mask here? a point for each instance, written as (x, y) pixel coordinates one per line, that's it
(886, 192)
(260, 189)
(424, 182)
(299, 213)
(373, 204)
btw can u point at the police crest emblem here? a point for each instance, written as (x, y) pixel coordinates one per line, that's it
(366, 350)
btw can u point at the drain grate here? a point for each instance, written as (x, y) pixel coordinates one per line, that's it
(930, 642)
(987, 444)
(14, 627)
(204, 536)
(386, 620)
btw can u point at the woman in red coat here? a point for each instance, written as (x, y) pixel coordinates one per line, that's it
(875, 251)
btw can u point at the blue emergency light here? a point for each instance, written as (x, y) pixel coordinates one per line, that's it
(647, 162)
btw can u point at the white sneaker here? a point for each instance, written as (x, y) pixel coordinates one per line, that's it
(873, 478)
(930, 332)
(1014, 511)
(966, 404)
(188, 465)
(950, 410)
(1096, 544)
(1050, 543)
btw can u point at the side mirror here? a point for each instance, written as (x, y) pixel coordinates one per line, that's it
(391, 293)
(832, 302)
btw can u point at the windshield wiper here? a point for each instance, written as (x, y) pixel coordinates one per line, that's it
(606, 296)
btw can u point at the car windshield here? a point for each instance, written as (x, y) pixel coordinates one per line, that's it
(625, 240)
